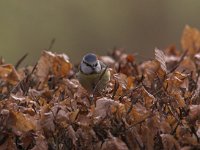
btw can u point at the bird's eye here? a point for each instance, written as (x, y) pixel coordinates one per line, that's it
(95, 65)
(86, 63)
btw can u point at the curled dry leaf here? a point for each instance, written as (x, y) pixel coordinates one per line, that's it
(149, 99)
(108, 60)
(9, 144)
(137, 113)
(185, 137)
(47, 119)
(121, 79)
(21, 122)
(133, 139)
(148, 138)
(41, 143)
(161, 58)
(190, 40)
(197, 60)
(114, 143)
(188, 66)
(169, 142)
(56, 64)
(9, 74)
(175, 81)
(104, 108)
(72, 135)
(151, 70)
(194, 112)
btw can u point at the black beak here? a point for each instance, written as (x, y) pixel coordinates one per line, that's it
(93, 68)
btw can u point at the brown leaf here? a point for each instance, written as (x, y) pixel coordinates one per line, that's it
(27, 139)
(47, 119)
(198, 131)
(22, 122)
(197, 57)
(56, 64)
(185, 137)
(148, 139)
(133, 139)
(151, 70)
(61, 65)
(73, 115)
(121, 79)
(174, 81)
(9, 144)
(137, 113)
(114, 143)
(194, 112)
(86, 137)
(149, 99)
(72, 135)
(190, 40)
(104, 107)
(41, 143)
(9, 74)
(165, 127)
(130, 82)
(130, 58)
(161, 58)
(108, 60)
(187, 66)
(169, 142)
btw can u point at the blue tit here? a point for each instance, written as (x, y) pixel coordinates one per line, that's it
(93, 74)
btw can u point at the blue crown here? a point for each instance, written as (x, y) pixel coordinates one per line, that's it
(90, 58)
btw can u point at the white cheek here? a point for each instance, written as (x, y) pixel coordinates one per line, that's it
(98, 68)
(85, 69)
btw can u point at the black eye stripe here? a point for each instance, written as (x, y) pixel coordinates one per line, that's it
(92, 67)
(90, 64)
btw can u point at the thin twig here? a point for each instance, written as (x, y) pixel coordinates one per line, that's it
(133, 101)
(20, 60)
(100, 77)
(52, 43)
(194, 132)
(24, 79)
(139, 122)
(116, 86)
(179, 62)
(129, 91)
(177, 119)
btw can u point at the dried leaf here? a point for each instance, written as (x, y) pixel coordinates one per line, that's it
(190, 40)
(9, 144)
(9, 74)
(151, 70)
(169, 142)
(161, 58)
(194, 112)
(149, 99)
(72, 135)
(104, 107)
(114, 143)
(130, 58)
(41, 143)
(56, 64)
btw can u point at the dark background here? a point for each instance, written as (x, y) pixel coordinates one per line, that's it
(81, 26)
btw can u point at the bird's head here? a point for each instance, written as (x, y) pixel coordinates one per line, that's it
(90, 64)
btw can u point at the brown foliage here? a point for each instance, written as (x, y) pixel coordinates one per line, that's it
(151, 105)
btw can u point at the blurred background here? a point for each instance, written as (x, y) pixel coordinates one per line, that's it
(81, 26)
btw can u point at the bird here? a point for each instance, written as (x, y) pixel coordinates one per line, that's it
(93, 74)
